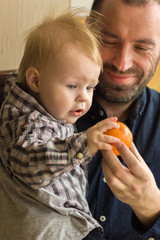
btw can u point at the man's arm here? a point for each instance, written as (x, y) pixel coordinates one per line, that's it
(134, 185)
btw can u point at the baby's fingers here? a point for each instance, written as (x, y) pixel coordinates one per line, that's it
(107, 125)
(110, 119)
(105, 146)
(105, 142)
(109, 139)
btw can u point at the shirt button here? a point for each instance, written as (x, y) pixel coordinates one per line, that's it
(151, 238)
(101, 113)
(80, 155)
(102, 218)
(104, 180)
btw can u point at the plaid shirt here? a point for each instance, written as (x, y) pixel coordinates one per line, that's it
(43, 152)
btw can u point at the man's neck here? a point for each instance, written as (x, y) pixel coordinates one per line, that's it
(115, 110)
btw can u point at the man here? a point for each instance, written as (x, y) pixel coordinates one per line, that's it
(126, 199)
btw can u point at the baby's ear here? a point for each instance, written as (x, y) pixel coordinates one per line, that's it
(33, 79)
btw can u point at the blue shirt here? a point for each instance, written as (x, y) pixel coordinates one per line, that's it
(117, 218)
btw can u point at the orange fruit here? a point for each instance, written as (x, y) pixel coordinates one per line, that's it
(123, 133)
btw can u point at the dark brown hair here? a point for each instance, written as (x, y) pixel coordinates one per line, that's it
(97, 3)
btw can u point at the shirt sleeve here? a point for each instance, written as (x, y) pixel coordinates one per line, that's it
(37, 156)
(152, 233)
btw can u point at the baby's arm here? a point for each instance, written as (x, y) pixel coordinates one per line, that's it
(37, 157)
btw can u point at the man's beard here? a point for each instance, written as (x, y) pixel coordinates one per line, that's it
(123, 94)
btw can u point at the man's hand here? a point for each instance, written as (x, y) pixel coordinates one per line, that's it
(134, 185)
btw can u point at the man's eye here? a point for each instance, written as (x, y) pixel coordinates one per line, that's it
(71, 86)
(143, 49)
(109, 43)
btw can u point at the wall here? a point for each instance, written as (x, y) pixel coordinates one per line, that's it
(16, 17)
(82, 3)
(155, 81)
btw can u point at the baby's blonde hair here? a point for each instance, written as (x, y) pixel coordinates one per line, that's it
(46, 40)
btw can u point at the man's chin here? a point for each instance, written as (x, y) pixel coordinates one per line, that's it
(119, 96)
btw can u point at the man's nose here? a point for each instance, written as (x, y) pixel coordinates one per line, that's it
(123, 59)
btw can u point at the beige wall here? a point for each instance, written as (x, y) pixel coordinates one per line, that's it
(155, 81)
(16, 17)
(82, 3)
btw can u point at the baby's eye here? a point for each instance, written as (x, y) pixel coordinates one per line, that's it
(90, 88)
(71, 86)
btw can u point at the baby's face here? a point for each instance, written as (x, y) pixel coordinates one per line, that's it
(67, 92)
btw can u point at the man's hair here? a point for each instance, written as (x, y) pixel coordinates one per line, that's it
(46, 40)
(97, 3)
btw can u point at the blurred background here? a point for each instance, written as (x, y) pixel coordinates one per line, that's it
(18, 16)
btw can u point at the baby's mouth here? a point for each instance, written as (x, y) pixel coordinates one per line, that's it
(77, 113)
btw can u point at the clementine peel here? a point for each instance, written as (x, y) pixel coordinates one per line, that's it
(123, 133)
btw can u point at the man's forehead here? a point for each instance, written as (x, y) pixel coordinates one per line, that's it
(134, 3)
(138, 25)
(137, 3)
(110, 11)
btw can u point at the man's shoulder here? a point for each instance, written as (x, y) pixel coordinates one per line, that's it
(152, 91)
(152, 95)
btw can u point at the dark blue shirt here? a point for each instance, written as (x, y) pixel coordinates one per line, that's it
(117, 218)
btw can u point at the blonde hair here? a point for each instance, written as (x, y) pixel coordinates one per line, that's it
(46, 40)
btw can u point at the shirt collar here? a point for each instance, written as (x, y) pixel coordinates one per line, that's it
(98, 113)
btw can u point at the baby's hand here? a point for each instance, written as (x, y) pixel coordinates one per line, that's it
(97, 140)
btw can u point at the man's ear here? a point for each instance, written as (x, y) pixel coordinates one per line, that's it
(33, 79)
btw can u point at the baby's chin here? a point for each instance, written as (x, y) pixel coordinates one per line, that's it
(73, 121)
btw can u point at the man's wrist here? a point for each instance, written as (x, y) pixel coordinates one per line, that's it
(147, 218)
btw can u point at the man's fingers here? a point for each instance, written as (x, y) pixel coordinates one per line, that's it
(132, 158)
(119, 171)
(112, 161)
(113, 182)
(135, 152)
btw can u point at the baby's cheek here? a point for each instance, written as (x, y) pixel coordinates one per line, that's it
(88, 105)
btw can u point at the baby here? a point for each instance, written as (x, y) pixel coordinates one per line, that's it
(40, 151)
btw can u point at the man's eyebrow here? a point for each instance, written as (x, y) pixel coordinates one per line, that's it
(108, 34)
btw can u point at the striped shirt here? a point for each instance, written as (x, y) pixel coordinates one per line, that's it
(43, 152)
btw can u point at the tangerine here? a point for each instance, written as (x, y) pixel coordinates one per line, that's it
(123, 133)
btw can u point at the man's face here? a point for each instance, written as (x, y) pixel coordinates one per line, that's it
(130, 51)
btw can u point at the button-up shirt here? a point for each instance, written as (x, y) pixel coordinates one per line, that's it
(117, 218)
(42, 152)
